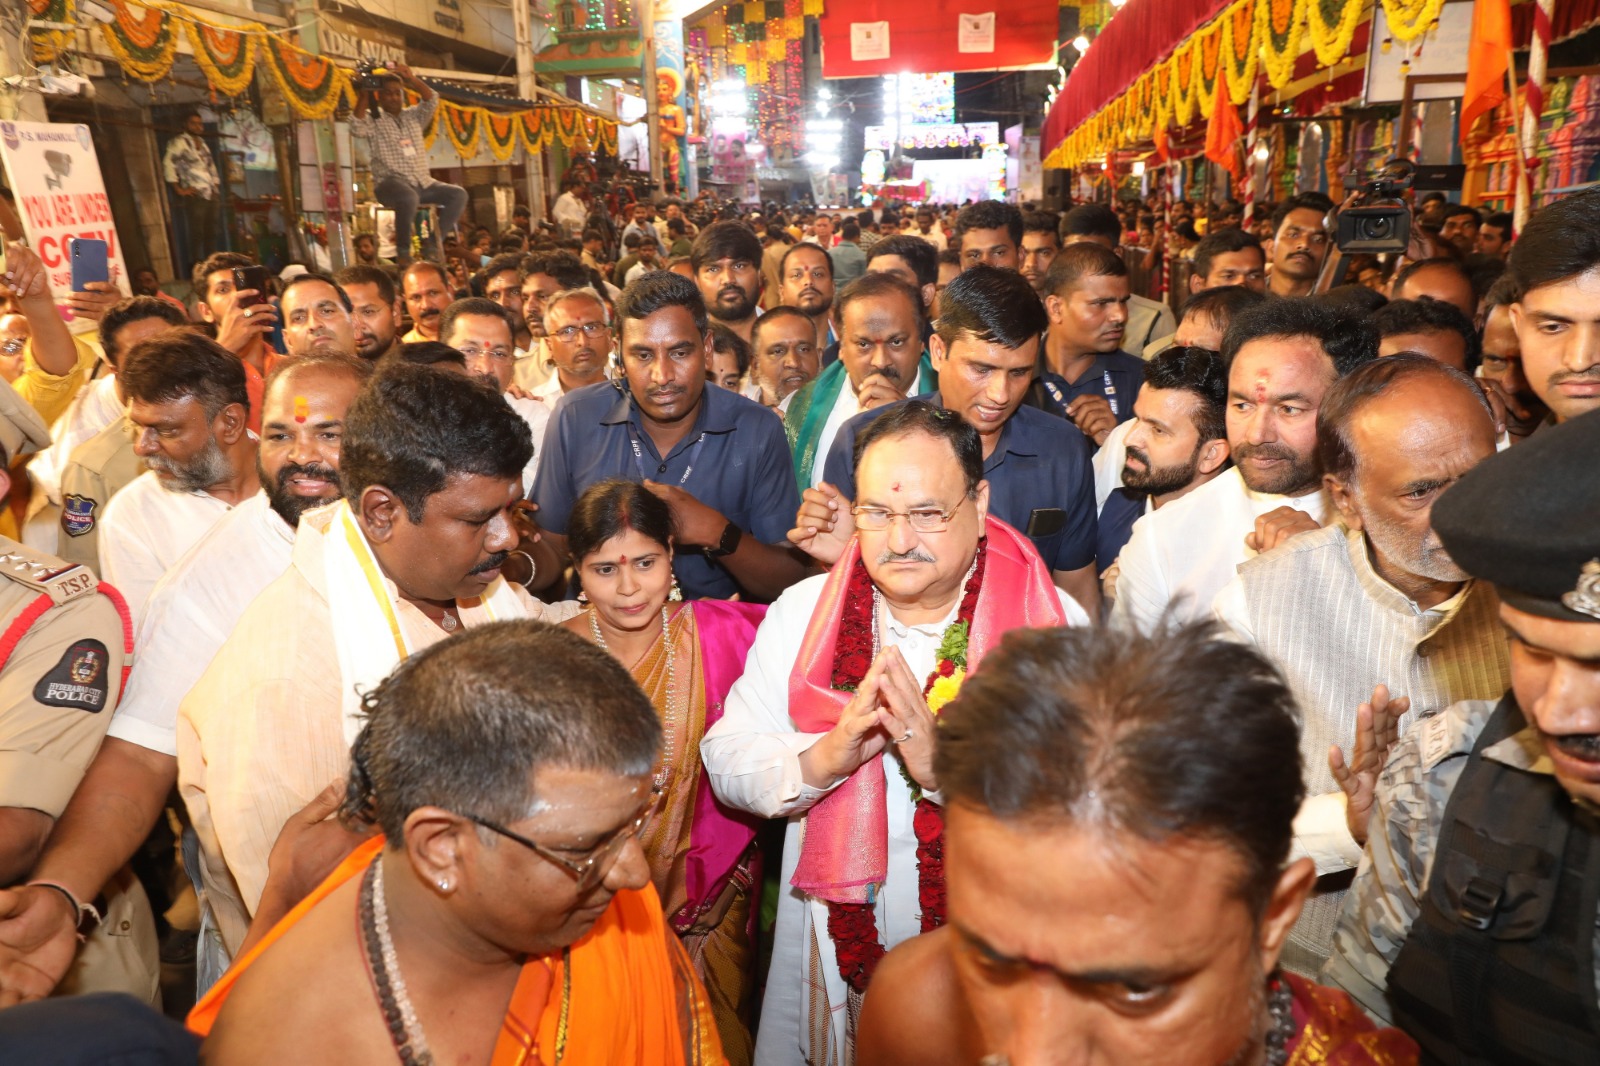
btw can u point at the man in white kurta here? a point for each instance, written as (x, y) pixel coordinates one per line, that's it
(1284, 357)
(756, 756)
(147, 528)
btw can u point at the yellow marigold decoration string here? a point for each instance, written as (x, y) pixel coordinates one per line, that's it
(1410, 19)
(1241, 49)
(227, 57)
(1332, 25)
(1282, 22)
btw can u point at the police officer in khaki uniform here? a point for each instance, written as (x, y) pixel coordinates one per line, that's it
(63, 646)
(100, 467)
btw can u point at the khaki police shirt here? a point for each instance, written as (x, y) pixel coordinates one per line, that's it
(99, 468)
(61, 683)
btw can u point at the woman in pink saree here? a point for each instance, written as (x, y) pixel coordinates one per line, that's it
(686, 656)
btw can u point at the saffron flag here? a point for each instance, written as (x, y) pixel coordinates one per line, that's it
(1488, 60)
(1223, 134)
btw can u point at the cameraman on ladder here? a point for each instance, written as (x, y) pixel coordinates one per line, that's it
(400, 175)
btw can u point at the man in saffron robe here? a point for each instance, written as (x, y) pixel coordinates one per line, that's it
(932, 580)
(1120, 811)
(505, 914)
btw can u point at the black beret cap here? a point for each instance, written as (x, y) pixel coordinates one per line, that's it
(1528, 520)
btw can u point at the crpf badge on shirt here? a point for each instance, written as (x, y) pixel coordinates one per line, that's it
(78, 680)
(77, 514)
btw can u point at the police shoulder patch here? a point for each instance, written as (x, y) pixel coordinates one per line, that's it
(77, 514)
(79, 680)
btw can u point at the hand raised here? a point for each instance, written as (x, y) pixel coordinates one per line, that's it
(1377, 728)
(823, 526)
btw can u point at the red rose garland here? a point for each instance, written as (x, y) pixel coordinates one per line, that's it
(853, 927)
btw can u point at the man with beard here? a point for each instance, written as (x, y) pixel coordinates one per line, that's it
(431, 464)
(1555, 266)
(717, 458)
(317, 317)
(1414, 633)
(1299, 244)
(1177, 442)
(189, 615)
(1501, 372)
(1471, 922)
(807, 272)
(1282, 356)
(578, 338)
(786, 357)
(988, 233)
(427, 293)
(1117, 835)
(1459, 228)
(1041, 243)
(881, 360)
(727, 267)
(373, 310)
(188, 407)
(1087, 303)
(481, 331)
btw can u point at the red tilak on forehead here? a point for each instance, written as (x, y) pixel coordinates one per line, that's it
(1261, 390)
(897, 486)
(624, 560)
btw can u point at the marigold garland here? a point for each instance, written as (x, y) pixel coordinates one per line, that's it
(461, 128)
(1332, 25)
(1185, 86)
(314, 86)
(144, 44)
(1282, 22)
(1241, 49)
(1410, 19)
(227, 57)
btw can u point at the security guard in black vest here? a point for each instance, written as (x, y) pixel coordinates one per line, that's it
(65, 641)
(1472, 923)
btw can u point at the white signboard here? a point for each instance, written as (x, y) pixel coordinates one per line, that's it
(60, 195)
(975, 33)
(869, 41)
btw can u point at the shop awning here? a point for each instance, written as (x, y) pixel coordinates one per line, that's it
(1141, 34)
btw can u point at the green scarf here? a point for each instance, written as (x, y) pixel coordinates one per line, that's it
(809, 410)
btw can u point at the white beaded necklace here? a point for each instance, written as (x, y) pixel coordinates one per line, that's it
(666, 637)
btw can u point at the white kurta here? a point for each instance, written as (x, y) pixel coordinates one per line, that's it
(752, 757)
(192, 611)
(1181, 556)
(845, 407)
(146, 529)
(537, 415)
(1108, 460)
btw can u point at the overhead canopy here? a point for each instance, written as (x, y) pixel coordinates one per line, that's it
(1142, 33)
(871, 37)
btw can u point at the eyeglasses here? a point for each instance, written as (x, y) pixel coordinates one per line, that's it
(568, 334)
(925, 520)
(589, 870)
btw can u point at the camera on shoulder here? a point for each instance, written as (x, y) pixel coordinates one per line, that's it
(1380, 221)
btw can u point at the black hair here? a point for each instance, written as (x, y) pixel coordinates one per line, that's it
(475, 307)
(412, 428)
(566, 268)
(920, 256)
(181, 364)
(1224, 241)
(1428, 315)
(727, 341)
(1310, 201)
(989, 214)
(1461, 209)
(1352, 392)
(770, 315)
(1092, 220)
(353, 367)
(850, 231)
(948, 257)
(311, 276)
(1353, 297)
(590, 235)
(212, 264)
(827, 256)
(464, 725)
(501, 264)
(1202, 373)
(657, 290)
(675, 225)
(1502, 221)
(873, 284)
(1348, 339)
(1501, 294)
(424, 353)
(632, 240)
(136, 309)
(920, 416)
(1437, 262)
(362, 274)
(996, 306)
(725, 240)
(1181, 734)
(1075, 262)
(1042, 222)
(607, 508)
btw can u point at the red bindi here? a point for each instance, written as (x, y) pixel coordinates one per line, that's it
(897, 486)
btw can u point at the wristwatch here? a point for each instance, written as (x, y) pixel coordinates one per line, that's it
(727, 545)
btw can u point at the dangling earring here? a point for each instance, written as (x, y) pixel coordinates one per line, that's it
(583, 597)
(677, 593)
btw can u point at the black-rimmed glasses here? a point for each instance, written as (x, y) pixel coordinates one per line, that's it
(588, 870)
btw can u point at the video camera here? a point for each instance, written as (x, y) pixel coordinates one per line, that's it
(1381, 221)
(369, 76)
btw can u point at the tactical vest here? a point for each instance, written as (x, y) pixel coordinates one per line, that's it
(1499, 967)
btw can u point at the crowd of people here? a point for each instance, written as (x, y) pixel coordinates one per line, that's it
(815, 638)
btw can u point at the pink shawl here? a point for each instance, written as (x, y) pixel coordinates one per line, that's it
(844, 854)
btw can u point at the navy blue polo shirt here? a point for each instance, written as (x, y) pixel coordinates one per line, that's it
(1125, 373)
(1121, 510)
(735, 459)
(1040, 462)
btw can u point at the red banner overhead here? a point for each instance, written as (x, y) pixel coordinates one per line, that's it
(871, 37)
